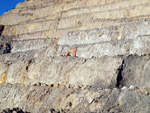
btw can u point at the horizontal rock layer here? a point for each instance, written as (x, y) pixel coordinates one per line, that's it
(112, 40)
(86, 72)
(45, 99)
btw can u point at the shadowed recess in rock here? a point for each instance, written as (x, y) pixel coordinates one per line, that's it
(5, 45)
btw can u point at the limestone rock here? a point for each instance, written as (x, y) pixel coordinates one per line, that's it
(95, 72)
(136, 71)
(108, 74)
(46, 99)
(3, 72)
(5, 45)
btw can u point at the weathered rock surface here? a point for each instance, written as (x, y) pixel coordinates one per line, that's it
(112, 39)
(136, 71)
(100, 72)
(1, 29)
(45, 99)
(5, 45)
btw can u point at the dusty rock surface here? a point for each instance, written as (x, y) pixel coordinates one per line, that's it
(5, 45)
(45, 99)
(110, 72)
(95, 72)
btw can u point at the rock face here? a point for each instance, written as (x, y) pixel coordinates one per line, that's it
(110, 72)
(5, 45)
(45, 99)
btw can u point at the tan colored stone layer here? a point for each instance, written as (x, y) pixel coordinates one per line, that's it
(3, 72)
(75, 71)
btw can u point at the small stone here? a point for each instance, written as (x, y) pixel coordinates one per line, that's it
(67, 85)
(61, 85)
(108, 90)
(31, 88)
(76, 86)
(83, 87)
(123, 88)
(14, 112)
(38, 84)
(132, 87)
(56, 85)
(42, 84)
(115, 89)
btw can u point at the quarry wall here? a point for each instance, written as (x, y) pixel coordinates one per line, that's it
(109, 72)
